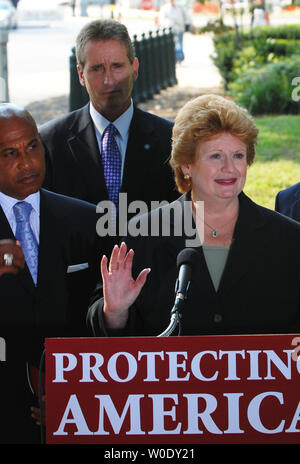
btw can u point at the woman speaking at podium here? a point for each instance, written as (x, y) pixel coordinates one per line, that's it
(246, 271)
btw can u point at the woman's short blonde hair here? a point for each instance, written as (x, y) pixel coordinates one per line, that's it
(201, 119)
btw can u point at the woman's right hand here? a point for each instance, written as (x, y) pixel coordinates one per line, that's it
(120, 290)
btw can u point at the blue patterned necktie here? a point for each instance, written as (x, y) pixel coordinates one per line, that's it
(111, 162)
(26, 237)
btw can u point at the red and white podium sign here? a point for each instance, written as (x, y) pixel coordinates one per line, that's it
(187, 390)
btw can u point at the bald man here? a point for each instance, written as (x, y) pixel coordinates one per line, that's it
(48, 267)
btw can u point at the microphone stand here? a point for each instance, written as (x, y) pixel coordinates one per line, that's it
(172, 325)
(185, 261)
(175, 317)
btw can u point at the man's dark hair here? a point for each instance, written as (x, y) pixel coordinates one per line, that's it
(103, 29)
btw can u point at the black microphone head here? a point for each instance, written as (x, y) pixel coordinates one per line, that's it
(187, 256)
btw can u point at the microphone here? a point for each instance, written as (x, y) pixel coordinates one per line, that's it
(186, 261)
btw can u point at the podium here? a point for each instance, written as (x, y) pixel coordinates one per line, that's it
(173, 390)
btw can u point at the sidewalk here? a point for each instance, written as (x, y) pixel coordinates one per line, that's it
(198, 69)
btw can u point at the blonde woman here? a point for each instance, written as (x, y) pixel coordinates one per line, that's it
(247, 275)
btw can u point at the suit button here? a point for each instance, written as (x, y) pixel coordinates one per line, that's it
(218, 318)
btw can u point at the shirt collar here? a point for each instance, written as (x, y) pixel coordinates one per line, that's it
(7, 202)
(122, 123)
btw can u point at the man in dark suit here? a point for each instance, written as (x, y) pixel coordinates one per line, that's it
(288, 202)
(107, 67)
(42, 295)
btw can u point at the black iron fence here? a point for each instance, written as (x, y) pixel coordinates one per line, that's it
(156, 55)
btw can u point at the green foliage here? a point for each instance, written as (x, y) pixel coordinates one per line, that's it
(268, 89)
(226, 51)
(275, 47)
(278, 138)
(217, 27)
(246, 59)
(224, 60)
(258, 67)
(277, 161)
(291, 32)
(266, 179)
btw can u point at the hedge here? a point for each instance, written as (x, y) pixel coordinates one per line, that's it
(258, 67)
(268, 90)
(279, 40)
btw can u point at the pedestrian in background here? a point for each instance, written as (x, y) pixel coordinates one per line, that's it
(73, 5)
(174, 16)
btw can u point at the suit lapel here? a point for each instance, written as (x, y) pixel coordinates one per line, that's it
(189, 238)
(140, 148)
(51, 265)
(47, 239)
(83, 131)
(84, 148)
(50, 249)
(244, 251)
(5, 230)
(295, 209)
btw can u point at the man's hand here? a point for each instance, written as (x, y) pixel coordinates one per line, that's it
(10, 247)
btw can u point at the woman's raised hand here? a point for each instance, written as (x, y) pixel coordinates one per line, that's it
(120, 290)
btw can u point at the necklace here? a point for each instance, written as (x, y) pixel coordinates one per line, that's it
(215, 233)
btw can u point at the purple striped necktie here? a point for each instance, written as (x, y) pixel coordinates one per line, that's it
(111, 159)
(26, 237)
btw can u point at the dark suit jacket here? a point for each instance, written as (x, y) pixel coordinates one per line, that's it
(288, 202)
(74, 165)
(55, 308)
(67, 237)
(259, 291)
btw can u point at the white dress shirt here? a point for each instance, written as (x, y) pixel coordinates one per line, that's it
(122, 124)
(7, 203)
